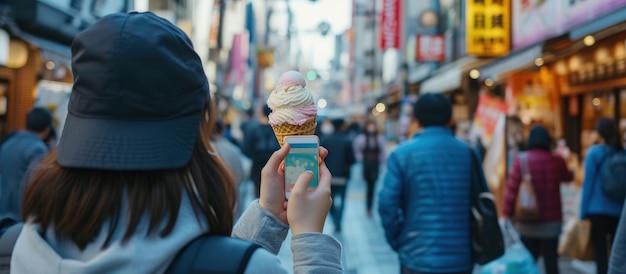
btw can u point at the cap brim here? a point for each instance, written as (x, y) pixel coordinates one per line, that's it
(127, 145)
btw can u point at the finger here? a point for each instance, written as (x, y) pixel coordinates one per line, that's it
(323, 152)
(325, 178)
(303, 182)
(277, 157)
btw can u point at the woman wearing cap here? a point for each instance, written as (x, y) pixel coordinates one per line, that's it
(131, 182)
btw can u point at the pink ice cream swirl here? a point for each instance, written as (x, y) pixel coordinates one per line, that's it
(290, 102)
(297, 116)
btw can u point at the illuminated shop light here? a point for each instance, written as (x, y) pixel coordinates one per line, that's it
(474, 74)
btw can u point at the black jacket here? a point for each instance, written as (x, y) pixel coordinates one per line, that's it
(340, 154)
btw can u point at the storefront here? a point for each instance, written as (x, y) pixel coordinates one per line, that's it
(35, 38)
(34, 71)
(592, 85)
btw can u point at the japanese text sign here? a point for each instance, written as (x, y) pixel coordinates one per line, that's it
(488, 27)
(390, 25)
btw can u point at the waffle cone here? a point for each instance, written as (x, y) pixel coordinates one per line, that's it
(282, 130)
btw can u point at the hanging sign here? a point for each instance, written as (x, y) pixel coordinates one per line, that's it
(488, 27)
(390, 25)
(430, 48)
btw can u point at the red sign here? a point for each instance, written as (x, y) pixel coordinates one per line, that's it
(390, 25)
(430, 48)
(487, 113)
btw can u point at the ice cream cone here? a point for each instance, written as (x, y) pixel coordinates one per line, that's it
(286, 129)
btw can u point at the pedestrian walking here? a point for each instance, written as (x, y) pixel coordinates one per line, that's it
(132, 181)
(232, 156)
(424, 204)
(545, 172)
(249, 122)
(339, 163)
(602, 210)
(369, 149)
(19, 154)
(259, 143)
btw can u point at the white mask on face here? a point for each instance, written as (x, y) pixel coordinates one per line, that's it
(327, 129)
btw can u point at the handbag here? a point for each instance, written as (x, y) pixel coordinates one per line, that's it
(487, 240)
(526, 207)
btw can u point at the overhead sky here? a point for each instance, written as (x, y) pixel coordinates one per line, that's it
(308, 15)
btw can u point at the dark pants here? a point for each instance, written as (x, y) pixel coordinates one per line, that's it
(546, 248)
(405, 270)
(370, 174)
(336, 209)
(370, 194)
(602, 233)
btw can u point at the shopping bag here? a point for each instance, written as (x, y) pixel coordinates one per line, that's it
(576, 243)
(516, 259)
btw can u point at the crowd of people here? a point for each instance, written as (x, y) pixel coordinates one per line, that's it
(145, 165)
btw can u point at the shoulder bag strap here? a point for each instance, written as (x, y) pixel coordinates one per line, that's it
(524, 166)
(479, 184)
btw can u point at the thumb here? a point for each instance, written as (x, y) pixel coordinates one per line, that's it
(303, 182)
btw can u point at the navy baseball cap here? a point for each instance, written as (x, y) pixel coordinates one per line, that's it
(138, 95)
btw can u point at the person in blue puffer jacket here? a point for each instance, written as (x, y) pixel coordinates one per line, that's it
(425, 200)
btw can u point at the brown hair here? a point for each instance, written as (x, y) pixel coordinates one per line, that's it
(76, 202)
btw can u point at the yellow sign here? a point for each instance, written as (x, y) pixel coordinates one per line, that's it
(488, 25)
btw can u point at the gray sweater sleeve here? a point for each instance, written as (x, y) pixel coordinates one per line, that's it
(316, 253)
(261, 227)
(312, 252)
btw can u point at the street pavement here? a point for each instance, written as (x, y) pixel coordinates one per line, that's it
(365, 250)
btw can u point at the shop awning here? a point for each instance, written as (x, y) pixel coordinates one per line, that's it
(419, 72)
(448, 77)
(46, 44)
(599, 24)
(58, 53)
(516, 61)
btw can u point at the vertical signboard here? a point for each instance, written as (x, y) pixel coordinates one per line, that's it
(390, 25)
(488, 27)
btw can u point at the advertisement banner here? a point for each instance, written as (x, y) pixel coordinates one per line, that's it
(390, 25)
(488, 112)
(530, 97)
(487, 25)
(537, 20)
(430, 48)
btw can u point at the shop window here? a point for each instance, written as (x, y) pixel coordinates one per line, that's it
(595, 106)
(572, 122)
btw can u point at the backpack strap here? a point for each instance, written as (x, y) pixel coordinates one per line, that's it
(210, 254)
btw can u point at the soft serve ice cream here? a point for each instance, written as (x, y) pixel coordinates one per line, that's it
(293, 107)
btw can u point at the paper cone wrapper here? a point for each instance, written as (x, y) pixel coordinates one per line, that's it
(282, 130)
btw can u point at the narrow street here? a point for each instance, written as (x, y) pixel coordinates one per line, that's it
(365, 250)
